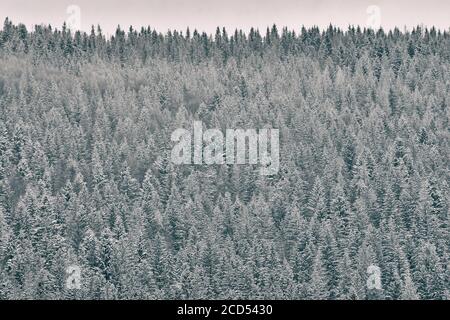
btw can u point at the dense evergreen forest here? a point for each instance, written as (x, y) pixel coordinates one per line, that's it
(86, 177)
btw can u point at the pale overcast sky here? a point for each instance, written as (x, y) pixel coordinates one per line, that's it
(205, 15)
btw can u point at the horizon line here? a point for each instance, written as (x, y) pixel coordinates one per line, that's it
(404, 29)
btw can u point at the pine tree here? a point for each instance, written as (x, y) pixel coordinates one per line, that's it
(316, 204)
(429, 273)
(318, 283)
(409, 291)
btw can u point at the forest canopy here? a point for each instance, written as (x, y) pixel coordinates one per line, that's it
(86, 177)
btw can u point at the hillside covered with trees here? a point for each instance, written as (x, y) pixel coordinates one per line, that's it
(86, 177)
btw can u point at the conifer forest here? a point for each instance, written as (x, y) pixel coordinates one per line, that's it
(86, 177)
